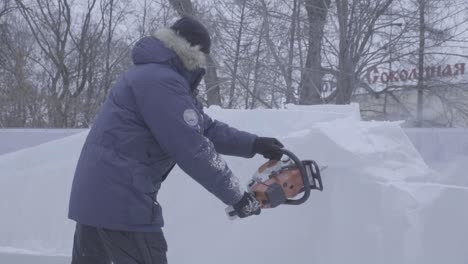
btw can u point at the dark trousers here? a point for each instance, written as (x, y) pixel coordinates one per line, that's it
(93, 245)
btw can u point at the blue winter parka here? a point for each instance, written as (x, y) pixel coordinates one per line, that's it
(151, 121)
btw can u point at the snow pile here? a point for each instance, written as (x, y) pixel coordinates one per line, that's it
(34, 190)
(381, 203)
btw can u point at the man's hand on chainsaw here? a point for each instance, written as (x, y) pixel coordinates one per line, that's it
(268, 147)
(247, 206)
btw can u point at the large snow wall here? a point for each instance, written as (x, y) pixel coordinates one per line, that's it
(381, 203)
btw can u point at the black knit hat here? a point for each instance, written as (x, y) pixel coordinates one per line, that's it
(194, 32)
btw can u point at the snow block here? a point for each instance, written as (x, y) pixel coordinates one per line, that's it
(381, 203)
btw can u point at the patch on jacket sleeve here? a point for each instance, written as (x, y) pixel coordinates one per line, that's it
(191, 117)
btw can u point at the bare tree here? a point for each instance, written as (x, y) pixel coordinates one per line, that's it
(20, 104)
(398, 58)
(311, 76)
(6, 7)
(357, 25)
(238, 43)
(74, 55)
(290, 98)
(50, 24)
(238, 39)
(425, 84)
(421, 50)
(279, 60)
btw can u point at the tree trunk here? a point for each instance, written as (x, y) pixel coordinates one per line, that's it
(256, 70)
(213, 95)
(345, 84)
(289, 88)
(311, 76)
(236, 58)
(420, 85)
(107, 73)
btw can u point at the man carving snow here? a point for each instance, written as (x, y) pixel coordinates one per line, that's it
(151, 121)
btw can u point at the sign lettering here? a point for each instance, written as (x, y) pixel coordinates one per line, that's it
(374, 75)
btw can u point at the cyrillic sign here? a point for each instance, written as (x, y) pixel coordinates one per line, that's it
(374, 75)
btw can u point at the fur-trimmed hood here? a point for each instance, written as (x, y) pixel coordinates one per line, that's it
(163, 46)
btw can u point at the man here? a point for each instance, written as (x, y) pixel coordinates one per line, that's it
(151, 121)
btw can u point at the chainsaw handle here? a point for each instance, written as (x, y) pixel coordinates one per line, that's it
(314, 170)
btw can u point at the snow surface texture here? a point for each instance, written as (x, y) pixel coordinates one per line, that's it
(381, 203)
(17, 138)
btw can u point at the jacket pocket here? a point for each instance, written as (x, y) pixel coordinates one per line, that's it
(143, 182)
(142, 179)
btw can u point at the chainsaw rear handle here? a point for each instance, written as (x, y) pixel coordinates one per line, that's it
(313, 170)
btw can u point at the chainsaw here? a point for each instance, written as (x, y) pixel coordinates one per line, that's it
(277, 182)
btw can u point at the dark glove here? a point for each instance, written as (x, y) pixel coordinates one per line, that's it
(268, 147)
(247, 206)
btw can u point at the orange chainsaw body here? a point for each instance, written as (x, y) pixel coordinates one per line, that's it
(276, 182)
(281, 181)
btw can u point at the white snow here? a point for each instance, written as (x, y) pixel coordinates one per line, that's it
(381, 203)
(445, 150)
(20, 251)
(13, 139)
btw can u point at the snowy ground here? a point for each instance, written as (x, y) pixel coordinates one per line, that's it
(381, 204)
(32, 259)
